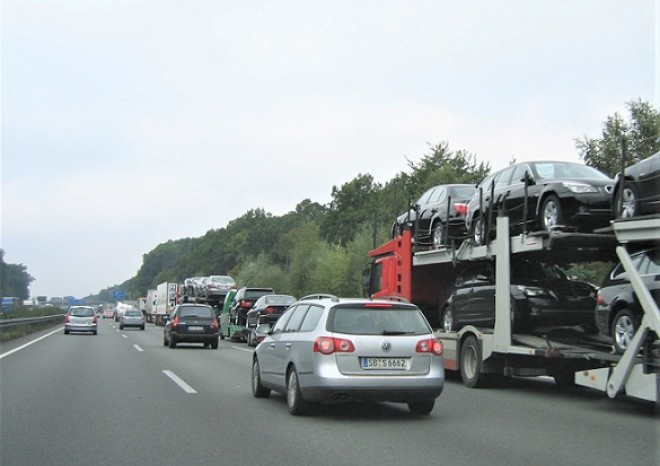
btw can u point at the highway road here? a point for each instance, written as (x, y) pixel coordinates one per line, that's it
(122, 398)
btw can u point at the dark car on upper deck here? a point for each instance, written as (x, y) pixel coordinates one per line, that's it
(541, 196)
(438, 216)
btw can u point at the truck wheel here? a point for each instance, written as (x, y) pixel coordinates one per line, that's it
(471, 364)
(258, 390)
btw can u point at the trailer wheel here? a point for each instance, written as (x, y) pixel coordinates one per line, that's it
(471, 363)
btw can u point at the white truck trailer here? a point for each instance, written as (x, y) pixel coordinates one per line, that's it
(167, 296)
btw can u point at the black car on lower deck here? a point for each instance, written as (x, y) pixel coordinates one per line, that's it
(191, 323)
(619, 312)
(541, 295)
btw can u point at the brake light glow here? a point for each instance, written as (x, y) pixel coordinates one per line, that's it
(461, 208)
(175, 321)
(214, 324)
(329, 345)
(67, 319)
(599, 299)
(269, 310)
(94, 319)
(245, 304)
(429, 346)
(378, 306)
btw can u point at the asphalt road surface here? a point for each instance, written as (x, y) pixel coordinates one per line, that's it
(122, 398)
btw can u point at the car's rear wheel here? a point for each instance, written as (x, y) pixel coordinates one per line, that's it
(625, 204)
(551, 213)
(66, 332)
(214, 344)
(172, 342)
(258, 390)
(294, 400)
(448, 320)
(421, 407)
(624, 326)
(479, 231)
(121, 327)
(438, 236)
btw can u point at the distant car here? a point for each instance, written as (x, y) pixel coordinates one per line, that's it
(437, 219)
(215, 287)
(243, 301)
(191, 323)
(641, 189)
(619, 313)
(189, 286)
(559, 194)
(132, 318)
(541, 295)
(198, 285)
(266, 310)
(80, 319)
(108, 313)
(326, 349)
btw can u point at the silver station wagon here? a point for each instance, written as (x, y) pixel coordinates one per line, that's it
(326, 349)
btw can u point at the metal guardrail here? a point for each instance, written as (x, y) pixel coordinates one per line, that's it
(5, 323)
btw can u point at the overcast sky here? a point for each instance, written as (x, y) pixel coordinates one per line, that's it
(128, 123)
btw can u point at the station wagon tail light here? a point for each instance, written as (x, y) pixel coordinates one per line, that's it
(329, 345)
(94, 319)
(67, 319)
(245, 304)
(269, 310)
(175, 321)
(429, 346)
(461, 208)
(214, 324)
(600, 300)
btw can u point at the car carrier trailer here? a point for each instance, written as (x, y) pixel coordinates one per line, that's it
(568, 355)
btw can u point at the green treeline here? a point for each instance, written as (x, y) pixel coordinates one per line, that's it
(323, 248)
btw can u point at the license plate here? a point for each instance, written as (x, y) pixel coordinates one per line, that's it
(195, 329)
(385, 363)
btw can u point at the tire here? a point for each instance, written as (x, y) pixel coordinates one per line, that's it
(258, 390)
(422, 408)
(438, 236)
(478, 231)
(448, 320)
(627, 197)
(206, 345)
(95, 332)
(66, 332)
(624, 326)
(214, 344)
(471, 364)
(249, 339)
(172, 342)
(294, 400)
(121, 327)
(142, 327)
(551, 214)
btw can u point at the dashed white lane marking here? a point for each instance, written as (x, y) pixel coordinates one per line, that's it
(177, 380)
(137, 347)
(123, 335)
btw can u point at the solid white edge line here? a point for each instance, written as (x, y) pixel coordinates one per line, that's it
(177, 380)
(3, 355)
(138, 348)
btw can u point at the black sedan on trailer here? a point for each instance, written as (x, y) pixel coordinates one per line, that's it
(638, 191)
